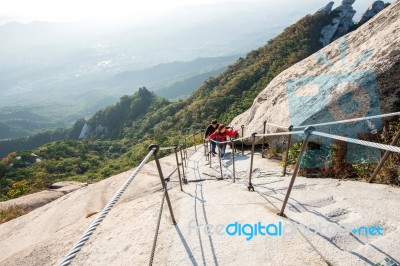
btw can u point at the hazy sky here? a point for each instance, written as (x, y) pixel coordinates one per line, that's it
(122, 10)
(89, 10)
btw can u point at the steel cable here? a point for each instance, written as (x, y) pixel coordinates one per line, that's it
(93, 226)
(350, 120)
(358, 141)
(153, 249)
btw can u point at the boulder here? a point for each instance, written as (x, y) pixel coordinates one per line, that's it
(328, 8)
(340, 24)
(372, 10)
(32, 201)
(36, 200)
(361, 70)
(67, 186)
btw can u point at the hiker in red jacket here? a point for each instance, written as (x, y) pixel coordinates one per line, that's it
(220, 135)
(210, 129)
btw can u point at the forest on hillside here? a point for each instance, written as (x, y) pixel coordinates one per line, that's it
(136, 121)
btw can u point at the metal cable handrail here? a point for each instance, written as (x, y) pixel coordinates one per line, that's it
(240, 139)
(153, 249)
(275, 125)
(358, 141)
(280, 133)
(93, 226)
(261, 135)
(173, 172)
(350, 120)
(327, 123)
(226, 142)
(267, 123)
(153, 149)
(309, 131)
(167, 148)
(220, 142)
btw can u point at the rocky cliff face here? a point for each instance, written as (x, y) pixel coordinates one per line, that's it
(357, 75)
(87, 131)
(340, 24)
(343, 22)
(374, 9)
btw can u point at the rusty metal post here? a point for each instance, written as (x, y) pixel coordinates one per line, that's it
(204, 144)
(265, 127)
(177, 165)
(206, 151)
(194, 141)
(253, 142)
(220, 162)
(204, 148)
(183, 169)
(242, 139)
(289, 138)
(307, 131)
(210, 154)
(233, 160)
(157, 148)
(384, 158)
(185, 152)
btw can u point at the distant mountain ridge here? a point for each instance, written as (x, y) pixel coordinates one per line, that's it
(117, 137)
(81, 68)
(182, 89)
(76, 64)
(231, 92)
(170, 71)
(21, 120)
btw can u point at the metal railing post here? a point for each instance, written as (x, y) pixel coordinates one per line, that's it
(185, 153)
(183, 168)
(307, 131)
(233, 160)
(289, 138)
(384, 158)
(242, 139)
(177, 165)
(210, 154)
(154, 146)
(206, 151)
(76, 248)
(194, 141)
(253, 142)
(265, 127)
(204, 147)
(220, 162)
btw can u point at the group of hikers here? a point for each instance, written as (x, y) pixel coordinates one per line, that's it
(218, 133)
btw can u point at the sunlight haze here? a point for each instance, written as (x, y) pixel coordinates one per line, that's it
(124, 10)
(93, 10)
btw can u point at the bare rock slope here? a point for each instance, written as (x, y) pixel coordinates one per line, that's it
(339, 209)
(36, 200)
(363, 66)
